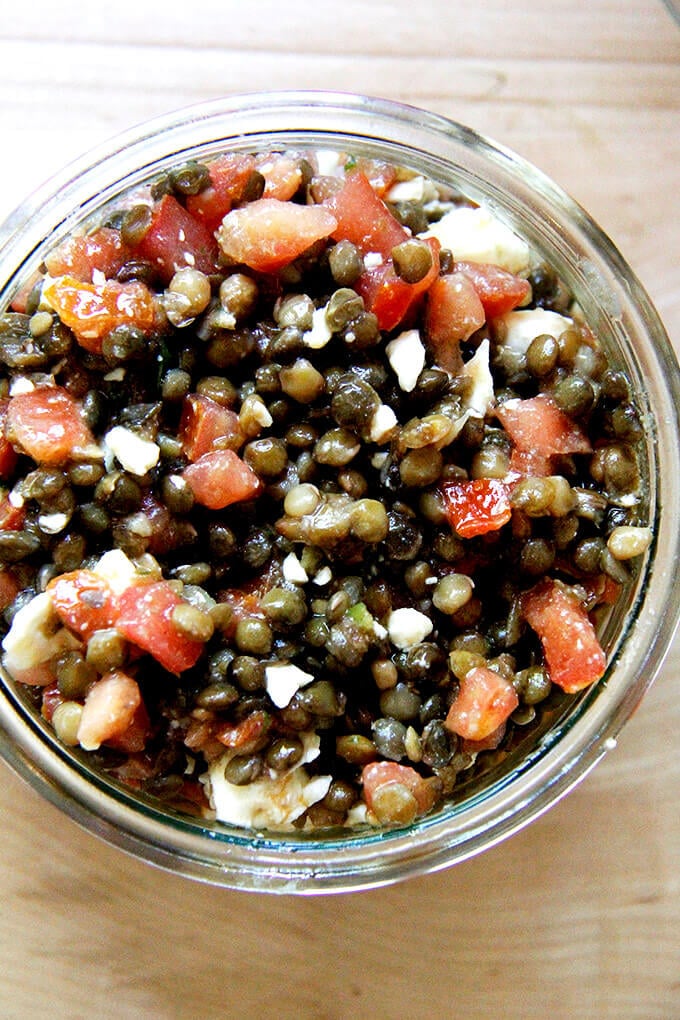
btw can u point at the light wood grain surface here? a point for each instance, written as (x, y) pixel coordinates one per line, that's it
(579, 915)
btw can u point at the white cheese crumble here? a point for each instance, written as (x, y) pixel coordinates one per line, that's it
(407, 627)
(133, 453)
(282, 680)
(373, 259)
(480, 399)
(273, 801)
(378, 459)
(412, 190)
(383, 423)
(320, 333)
(323, 576)
(330, 163)
(475, 235)
(293, 571)
(117, 570)
(21, 385)
(115, 375)
(406, 355)
(35, 636)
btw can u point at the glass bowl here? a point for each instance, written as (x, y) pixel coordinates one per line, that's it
(637, 634)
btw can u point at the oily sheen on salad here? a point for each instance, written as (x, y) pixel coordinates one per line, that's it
(315, 489)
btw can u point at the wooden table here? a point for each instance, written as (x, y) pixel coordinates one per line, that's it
(578, 916)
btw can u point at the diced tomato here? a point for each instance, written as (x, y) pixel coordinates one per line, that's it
(573, 654)
(247, 600)
(482, 705)
(175, 240)
(50, 700)
(537, 425)
(10, 586)
(79, 256)
(84, 602)
(134, 737)
(282, 175)
(92, 310)
(477, 506)
(499, 291)
(109, 709)
(8, 455)
(229, 175)
(268, 234)
(453, 313)
(220, 478)
(487, 744)
(206, 424)
(11, 517)
(363, 218)
(530, 464)
(145, 619)
(387, 773)
(247, 734)
(389, 297)
(381, 175)
(46, 424)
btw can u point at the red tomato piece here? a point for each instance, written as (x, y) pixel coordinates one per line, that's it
(229, 175)
(245, 735)
(282, 175)
(11, 517)
(10, 587)
(499, 291)
(80, 256)
(453, 313)
(267, 234)
(51, 699)
(84, 602)
(388, 296)
(206, 424)
(110, 707)
(537, 425)
(145, 619)
(477, 506)
(20, 299)
(381, 176)
(482, 705)
(573, 654)
(363, 218)
(530, 464)
(386, 773)
(46, 424)
(92, 310)
(134, 737)
(219, 478)
(175, 240)
(8, 455)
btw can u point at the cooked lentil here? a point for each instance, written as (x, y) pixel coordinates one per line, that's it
(285, 487)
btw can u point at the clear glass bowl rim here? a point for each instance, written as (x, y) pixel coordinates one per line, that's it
(517, 189)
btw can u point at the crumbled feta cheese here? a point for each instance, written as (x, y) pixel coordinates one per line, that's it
(15, 498)
(21, 385)
(480, 399)
(412, 190)
(282, 680)
(323, 576)
(378, 459)
(52, 524)
(475, 235)
(408, 627)
(293, 570)
(320, 333)
(115, 375)
(133, 453)
(383, 423)
(273, 801)
(117, 570)
(35, 636)
(373, 259)
(515, 331)
(330, 163)
(379, 631)
(406, 355)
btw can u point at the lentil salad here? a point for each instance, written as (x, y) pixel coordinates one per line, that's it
(337, 465)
